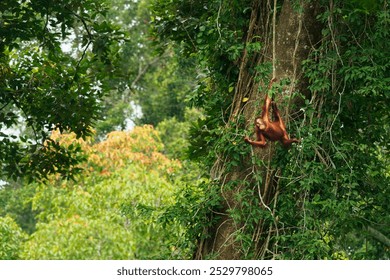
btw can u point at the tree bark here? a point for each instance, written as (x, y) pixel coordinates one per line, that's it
(297, 31)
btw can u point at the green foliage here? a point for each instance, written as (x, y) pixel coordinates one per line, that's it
(191, 211)
(133, 199)
(116, 113)
(81, 239)
(42, 87)
(166, 88)
(341, 167)
(129, 62)
(118, 208)
(205, 30)
(148, 87)
(174, 134)
(15, 202)
(334, 185)
(11, 239)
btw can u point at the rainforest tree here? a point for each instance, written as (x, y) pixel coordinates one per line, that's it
(324, 198)
(44, 85)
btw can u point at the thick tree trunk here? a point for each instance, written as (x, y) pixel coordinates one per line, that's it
(296, 33)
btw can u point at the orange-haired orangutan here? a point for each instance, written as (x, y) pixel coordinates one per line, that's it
(272, 130)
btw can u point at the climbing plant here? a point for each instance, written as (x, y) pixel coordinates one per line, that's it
(324, 198)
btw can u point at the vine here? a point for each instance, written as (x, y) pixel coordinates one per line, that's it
(306, 201)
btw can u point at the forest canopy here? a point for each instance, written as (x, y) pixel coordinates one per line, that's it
(122, 126)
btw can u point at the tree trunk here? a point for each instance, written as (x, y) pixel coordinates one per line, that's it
(286, 45)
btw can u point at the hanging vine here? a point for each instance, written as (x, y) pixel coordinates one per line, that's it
(303, 202)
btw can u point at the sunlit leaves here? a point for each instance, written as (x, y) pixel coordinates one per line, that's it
(112, 211)
(80, 238)
(11, 239)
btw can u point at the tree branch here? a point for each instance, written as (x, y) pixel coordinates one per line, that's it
(142, 71)
(378, 236)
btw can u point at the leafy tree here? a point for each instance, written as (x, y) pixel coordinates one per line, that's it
(175, 134)
(324, 198)
(15, 202)
(12, 238)
(117, 208)
(42, 88)
(151, 85)
(79, 238)
(166, 90)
